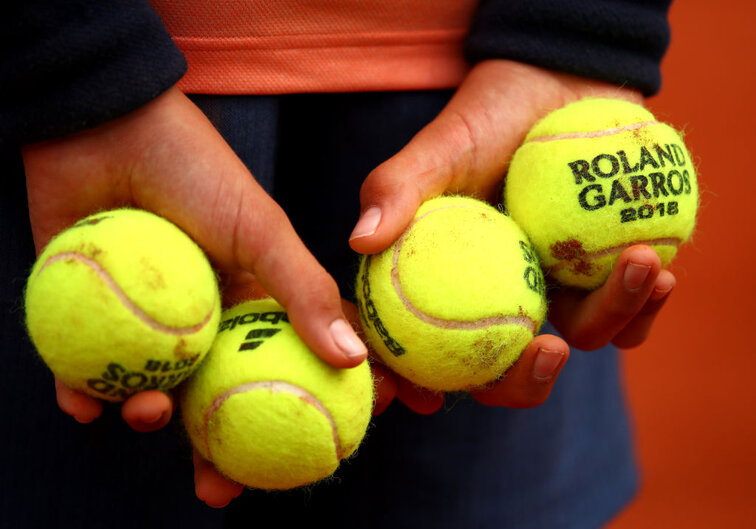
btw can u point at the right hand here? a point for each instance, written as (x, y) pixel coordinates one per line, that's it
(166, 157)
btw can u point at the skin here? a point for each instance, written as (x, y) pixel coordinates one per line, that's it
(166, 157)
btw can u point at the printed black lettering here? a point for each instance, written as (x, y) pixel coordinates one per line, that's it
(627, 215)
(645, 211)
(250, 346)
(596, 165)
(113, 372)
(367, 308)
(228, 325)
(595, 201)
(679, 154)
(255, 334)
(134, 380)
(527, 252)
(664, 154)
(626, 167)
(686, 177)
(657, 183)
(534, 279)
(100, 386)
(618, 192)
(647, 159)
(248, 318)
(580, 171)
(273, 317)
(152, 365)
(675, 182)
(639, 184)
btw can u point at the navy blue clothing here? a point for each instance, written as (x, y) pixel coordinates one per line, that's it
(620, 42)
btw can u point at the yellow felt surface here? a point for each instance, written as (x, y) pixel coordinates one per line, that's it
(581, 198)
(278, 355)
(83, 330)
(271, 440)
(463, 267)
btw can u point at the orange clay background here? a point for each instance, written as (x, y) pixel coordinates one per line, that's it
(692, 385)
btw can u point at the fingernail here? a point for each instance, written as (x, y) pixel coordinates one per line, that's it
(347, 340)
(152, 419)
(367, 224)
(635, 275)
(546, 364)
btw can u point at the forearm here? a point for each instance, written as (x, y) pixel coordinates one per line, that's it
(75, 64)
(621, 42)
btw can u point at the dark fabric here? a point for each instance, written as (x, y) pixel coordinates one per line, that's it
(618, 41)
(67, 65)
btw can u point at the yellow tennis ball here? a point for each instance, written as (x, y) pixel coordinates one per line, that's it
(596, 177)
(453, 303)
(121, 302)
(265, 410)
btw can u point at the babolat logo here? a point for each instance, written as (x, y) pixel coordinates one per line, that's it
(274, 318)
(256, 337)
(370, 314)
(666, 176)
(120, 382)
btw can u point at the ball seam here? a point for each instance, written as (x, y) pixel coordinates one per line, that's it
(127, 302)
(467, 325)
(593, 134)
(274, 386)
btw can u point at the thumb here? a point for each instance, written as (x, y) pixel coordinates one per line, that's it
(467, 148)
(439, 158)
(464, 150)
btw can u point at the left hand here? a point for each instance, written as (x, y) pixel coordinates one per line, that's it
(466, 150)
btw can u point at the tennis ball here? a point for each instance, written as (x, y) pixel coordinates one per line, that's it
(596, 177)
(265, 410)
(121, 302)
(454, 301)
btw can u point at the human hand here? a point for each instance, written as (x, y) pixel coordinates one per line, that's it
(166, 157)
(466, 150)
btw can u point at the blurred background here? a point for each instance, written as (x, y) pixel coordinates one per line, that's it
(692, 385)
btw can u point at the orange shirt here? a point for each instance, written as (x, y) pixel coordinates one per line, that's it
(288, 46)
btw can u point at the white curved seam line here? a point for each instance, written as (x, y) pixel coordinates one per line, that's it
(593, 134)
(671, 241)
(275, 386)
(474, 325)
(127, 302)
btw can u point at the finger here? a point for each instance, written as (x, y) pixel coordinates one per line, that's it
(193, 178)
(467, 148)
(81, 407)
(590, 321)
(291, 275)
(463, 150)
(420, 400)
(148, 411)
(636, 332)
(210, 487)
(530, 380)
(386, 387)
